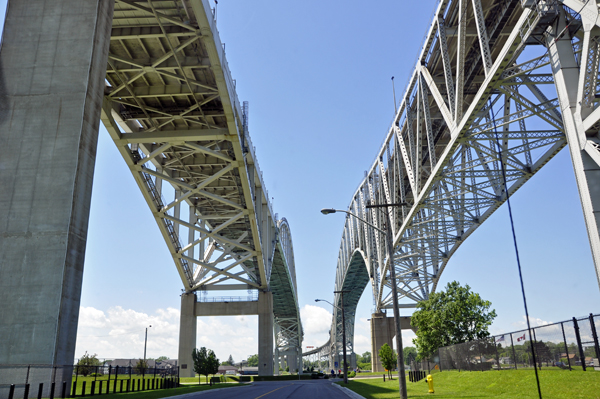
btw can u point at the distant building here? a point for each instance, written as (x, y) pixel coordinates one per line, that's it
(225, 369)
(249, 370)
(169, 365)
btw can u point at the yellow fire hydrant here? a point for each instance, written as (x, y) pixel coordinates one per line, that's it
(429, 381)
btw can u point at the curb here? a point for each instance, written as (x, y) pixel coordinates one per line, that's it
(349, 392)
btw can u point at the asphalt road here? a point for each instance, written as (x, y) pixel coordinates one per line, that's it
(312, 389)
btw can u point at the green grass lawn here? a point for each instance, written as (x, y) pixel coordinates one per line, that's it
(505, 384)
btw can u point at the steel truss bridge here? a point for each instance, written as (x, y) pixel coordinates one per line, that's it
(498, 84)
(171, 108)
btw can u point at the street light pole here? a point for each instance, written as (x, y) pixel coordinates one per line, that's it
(400, 360)
(343, 330)
(145, 342)
(390, 248)
(343, 336)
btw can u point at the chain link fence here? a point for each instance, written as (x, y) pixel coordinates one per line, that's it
(50, 381)
(570, 344)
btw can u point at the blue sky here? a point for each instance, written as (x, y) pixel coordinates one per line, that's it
(318, 79)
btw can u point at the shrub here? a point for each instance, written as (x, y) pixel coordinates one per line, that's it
(352, 374)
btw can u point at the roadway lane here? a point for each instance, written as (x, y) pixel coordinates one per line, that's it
(313, 389)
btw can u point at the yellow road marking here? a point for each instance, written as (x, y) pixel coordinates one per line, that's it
(265, 394)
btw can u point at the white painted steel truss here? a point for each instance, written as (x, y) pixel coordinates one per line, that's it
(498, 83)
(172, 110)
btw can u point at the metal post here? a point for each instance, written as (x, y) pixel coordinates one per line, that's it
(116, 378)
(595, 335)
(512, 345)
(533, 346)
(108, 382)
(76, 375)
(581, 354)
(343, 337)
(401, 374)
(566, 347)
(497, 355)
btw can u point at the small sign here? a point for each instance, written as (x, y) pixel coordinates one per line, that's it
(336, 365)
(184, 366)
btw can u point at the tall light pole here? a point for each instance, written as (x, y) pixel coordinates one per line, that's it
(390, 248)
(343, 331)
(145, 342)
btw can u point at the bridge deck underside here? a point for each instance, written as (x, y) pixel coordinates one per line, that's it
(171, 108)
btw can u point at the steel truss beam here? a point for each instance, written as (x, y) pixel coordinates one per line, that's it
(171, 108)
(494, 111)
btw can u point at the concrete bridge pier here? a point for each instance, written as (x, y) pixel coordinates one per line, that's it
(187, 334)
(52, 68)
(277, 362)
(383, 331)
(191, 309)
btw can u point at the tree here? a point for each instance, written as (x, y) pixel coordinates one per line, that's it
(253, 361)
(228, 362)
(450, 317)
(161, 358)
(388, 358)
(141, 366)
(87, 364)
(410, 354)
(205, 362)
(366, 357)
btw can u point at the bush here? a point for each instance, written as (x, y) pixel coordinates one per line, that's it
(352, 374)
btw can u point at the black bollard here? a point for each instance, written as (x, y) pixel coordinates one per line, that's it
(11, 391)
(64, 391)
(93, 388)
(26, 393)
(83, 388)
(40, 390)
(52, 386)
(384, 378)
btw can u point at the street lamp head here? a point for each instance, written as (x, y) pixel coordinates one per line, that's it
(327, 211)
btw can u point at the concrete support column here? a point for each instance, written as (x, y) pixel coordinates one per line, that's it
(382, 332)
(187, 334)
(52, 68)
(292, 361)
(276, 362)
(352, 361)
(265, 333)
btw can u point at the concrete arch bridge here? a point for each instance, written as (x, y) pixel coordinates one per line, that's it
(498, 89)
